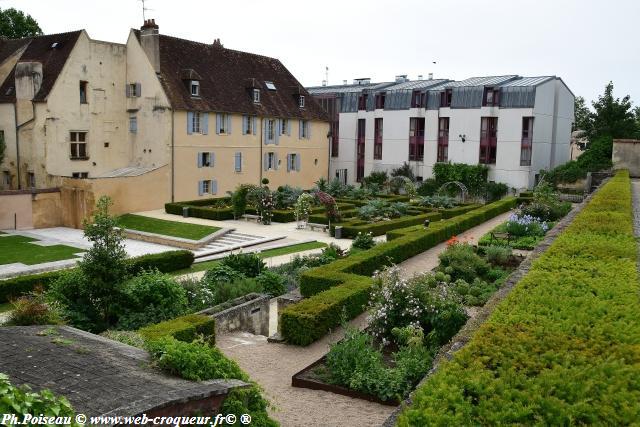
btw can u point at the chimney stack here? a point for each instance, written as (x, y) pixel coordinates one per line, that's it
(150, 41)
(430, 76)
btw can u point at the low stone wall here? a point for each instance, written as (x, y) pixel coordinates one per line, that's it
(249, 313)
(174, 241)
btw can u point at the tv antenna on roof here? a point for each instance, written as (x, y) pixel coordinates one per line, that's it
(144, 9)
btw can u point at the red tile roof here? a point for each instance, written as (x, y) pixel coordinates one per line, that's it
(225, 77)
(39, 49)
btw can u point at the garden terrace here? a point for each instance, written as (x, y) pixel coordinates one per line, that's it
(564, 346)
(344, 285)
(21, 249)
(164, 227)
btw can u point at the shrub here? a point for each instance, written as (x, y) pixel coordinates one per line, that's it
(184, 328)
(271, 283)
(597, 157)
(363, 241)
(286, 196)
(249, 264)
(131, 338)
(496, 191)
(164, 262)
(429, 187)
(461, 262)
(498, 255)
(21, 401)
(33, 309)
(440, 202)
(221, 273)
(474, 177)
(239, 200)
(476, 293)
(525, 225)
(21, 285)
(404, 170)
(150, 297)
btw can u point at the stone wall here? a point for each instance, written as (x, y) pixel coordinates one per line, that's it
(26, 209)
(247, 314)
(626, 155)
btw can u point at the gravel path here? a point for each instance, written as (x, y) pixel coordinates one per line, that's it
(635, 189)
(273, 365)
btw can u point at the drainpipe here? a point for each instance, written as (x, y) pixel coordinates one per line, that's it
(18, 127)
(329, 140)
(261, 161)
(173, 156)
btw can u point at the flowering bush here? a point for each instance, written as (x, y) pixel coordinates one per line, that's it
(303, 206)
(526, 225)
(363, 241)
(333, 215)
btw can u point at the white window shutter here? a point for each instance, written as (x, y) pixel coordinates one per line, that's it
(228, 129)
(138, 89)
(298, 162)
(189, 122)
(200, 188)
(245, 120)
(289, 127)
(199, 160)
(255, 124)
(212, 157)
(205, 124)
(265, 161)
(288, 162)
(218, 123)
(214, 186)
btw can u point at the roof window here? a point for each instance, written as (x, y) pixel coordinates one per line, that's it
(270, 85)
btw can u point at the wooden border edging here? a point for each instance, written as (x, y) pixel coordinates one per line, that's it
(465, 334)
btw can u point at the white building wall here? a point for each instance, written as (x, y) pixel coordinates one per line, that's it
(346, 147)
(565, 116)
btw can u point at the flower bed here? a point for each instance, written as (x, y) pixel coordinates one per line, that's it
(344, 285)
(562, 348)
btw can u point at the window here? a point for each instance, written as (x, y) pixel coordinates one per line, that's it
(206, 187)
(360, 149)
(83, 92)
(238, 161)
(417, 99)
(271, 130)
(443, 139)
(341, 175)
(270, 85)
(80, 175)
(133, 124)
(133, 90)
(271, 161)
(362, 102)
(206, 160)
(292, 162)
(304, 129)
(256, 96)
(31, 179)
(445, 98)
(416, 138)
(284, 126)
(194, 86)
(223, 123)
(248, 125)
(527, 141)
(195, 122)
(301, 101)
(377, 139)
(6, 178)
(380, 99)
(488, 139)
(491, 97)
(78, 145)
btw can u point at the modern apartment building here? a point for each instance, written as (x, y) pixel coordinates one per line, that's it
(515, 125)
(157, 119)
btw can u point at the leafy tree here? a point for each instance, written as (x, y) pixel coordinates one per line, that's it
(612, 117)
(14, 24)
(581, 114)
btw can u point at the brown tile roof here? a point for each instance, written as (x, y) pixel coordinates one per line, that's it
(9, 46)
(40, 50)
(225, 75)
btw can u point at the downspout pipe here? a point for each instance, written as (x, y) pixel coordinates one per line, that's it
(173, 156)
(261, 161)
(18, 127)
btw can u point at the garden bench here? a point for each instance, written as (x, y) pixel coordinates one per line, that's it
(256, 218)
(500, 236)
(313, 226)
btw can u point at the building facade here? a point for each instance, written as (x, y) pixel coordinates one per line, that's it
(195, 119)
(515, 125)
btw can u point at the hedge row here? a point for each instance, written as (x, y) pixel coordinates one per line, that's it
(564, 347)
(164, 262)
(345, 283)
(379, 228)
(184, 328)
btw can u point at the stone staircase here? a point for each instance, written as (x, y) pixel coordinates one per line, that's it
(229, 242)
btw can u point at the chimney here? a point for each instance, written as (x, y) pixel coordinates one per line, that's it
(324, 83)
(217, 43)
(150, 41)
(419, 76)
(344, 82)
(401, 78)
(430, 76)
(28, 79)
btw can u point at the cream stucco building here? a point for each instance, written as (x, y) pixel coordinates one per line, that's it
(155, 120)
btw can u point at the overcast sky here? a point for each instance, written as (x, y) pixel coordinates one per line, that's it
(586, 42)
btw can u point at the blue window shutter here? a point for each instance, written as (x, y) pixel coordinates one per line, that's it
(214, 186)
(212, 156)
(265, 125)
(300, 125)
(275, 161)
(255, 125)
(205, 123)
(127, 90)
(298, 162)
(276, 132)
(308, 129)
(189, 122)
(199, 160)
(265, 161)
(200, 188)
(245, 120)
(288, 162)
(218, 122)
(238, 161)
(228, 127)
(138, 89)
(289, 127)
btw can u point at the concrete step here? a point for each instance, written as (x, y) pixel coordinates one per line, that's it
(206, 254)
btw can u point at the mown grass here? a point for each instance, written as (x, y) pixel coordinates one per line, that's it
(167, 228)
(19, 249)
(564, 347)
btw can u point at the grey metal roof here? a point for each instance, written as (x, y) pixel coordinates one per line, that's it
(417, 84)
(127, 171)
(319, 90)
(527, 81)
(481, 81)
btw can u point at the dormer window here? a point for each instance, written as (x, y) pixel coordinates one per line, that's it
(256, 96)
(491, 96)
(195, 87)
(270, 85)
(301, 101)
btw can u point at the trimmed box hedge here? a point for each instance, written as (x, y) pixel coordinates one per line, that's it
(563, 348)
(345, 283)
(164, 262)
(184, 328)
(351, 230)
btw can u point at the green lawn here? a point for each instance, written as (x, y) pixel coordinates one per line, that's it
(18, 249)
(206, 265)
(167, 228)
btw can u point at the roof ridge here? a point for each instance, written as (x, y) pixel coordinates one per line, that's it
(43, 35)
(210, 45)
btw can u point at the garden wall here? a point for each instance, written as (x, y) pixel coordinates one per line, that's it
(249, 313)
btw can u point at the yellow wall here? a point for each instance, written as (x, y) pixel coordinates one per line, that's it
(187, 147)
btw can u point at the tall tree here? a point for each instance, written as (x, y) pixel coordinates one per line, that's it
(613, 117)
(14, 24)
(581, 114)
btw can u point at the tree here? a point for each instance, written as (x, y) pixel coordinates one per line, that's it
(612, 117)
(581, 114)
(14, 24)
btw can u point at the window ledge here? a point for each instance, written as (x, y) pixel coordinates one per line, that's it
(79, 158)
